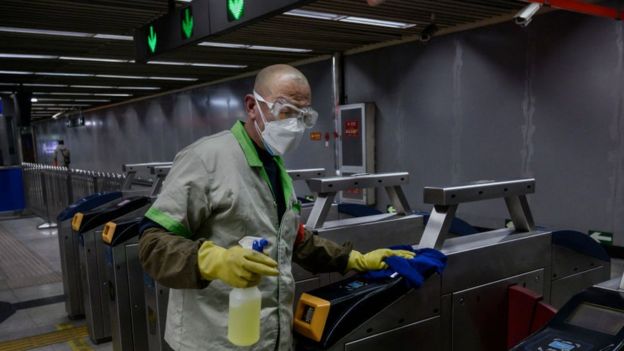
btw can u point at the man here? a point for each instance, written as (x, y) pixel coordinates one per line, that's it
(61, 155)
(225, 187)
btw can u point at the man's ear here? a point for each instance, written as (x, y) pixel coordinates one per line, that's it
(250, 107)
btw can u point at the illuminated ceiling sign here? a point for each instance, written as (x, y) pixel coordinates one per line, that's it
(203, 19)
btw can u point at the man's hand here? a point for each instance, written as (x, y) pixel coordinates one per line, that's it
(236, 266)
(373, 260)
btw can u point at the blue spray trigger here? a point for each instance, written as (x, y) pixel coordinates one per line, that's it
(258, 245)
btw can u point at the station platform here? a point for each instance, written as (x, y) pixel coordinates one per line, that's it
(32, 312)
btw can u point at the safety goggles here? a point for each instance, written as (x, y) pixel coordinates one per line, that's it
(282, 109)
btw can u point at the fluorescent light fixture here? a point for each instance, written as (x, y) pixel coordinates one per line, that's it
(138, 88)
(277, 48)
(376, 22)
(57, 115)
(6, 92)
(349, 19)
(17, 72)
(92, 86)
(61, 33)
(27, 56)
(106, 94)
(314, 14)
(75, 94)
(115, 76)
(62, 74)
(54, 99)
(69, 105)
(196, 64)
(33, 100)
(92, 59)
(92, 100)
(9, 84)
(174, 78)
(251, 47)
(44, 85)
(113, 37)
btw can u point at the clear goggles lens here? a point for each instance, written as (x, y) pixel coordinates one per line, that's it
(281, 110)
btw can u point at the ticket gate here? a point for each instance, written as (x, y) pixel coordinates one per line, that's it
(88, 226)
(591, 320)
(460, 309)
(124, 273)
(69, 250)
(366, 233)
(306, 207)
(156, 300)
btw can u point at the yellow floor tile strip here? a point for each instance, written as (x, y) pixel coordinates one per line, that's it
(65, 333)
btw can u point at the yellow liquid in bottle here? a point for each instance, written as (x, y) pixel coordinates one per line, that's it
(244, 323)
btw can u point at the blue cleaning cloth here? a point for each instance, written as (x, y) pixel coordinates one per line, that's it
(415, 270)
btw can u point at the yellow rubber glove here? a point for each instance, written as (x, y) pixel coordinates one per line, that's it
(373, 260)
(236, 266)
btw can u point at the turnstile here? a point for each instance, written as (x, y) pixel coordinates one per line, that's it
(125, 283)
(156, 300)
(461, 309)
(88, 226)
(306, 207)
(69, 250)
(366, 233)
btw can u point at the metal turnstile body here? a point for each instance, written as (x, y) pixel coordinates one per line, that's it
(69, 245)
(124, 273)
(461, 309)
(156, 301)
(306, 207)
(93, 261)
(366, 233)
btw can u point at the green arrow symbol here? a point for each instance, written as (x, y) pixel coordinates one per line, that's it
(236, 8)
(152, 39)
(187, 23)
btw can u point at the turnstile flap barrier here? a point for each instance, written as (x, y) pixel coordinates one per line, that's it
(87, 203)
(118, 232)
(86, 221)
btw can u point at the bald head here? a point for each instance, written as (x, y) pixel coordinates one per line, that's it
(283, 81)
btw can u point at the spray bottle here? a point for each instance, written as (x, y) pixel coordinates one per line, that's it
(245, 305)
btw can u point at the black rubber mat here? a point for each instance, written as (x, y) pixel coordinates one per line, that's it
(6, 310)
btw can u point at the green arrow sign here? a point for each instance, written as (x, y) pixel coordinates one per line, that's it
(152, 39)
(604, 238)
(187, 23)
(235, 9)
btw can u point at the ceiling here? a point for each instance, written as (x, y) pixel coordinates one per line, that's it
(103, 85)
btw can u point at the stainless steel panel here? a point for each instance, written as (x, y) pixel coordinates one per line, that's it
(160, 170)
(137, 297)
(613, 285)
(521, 216)
(335, 184)
(479, 313)
(119, 299)
(156, 300)
(69, 249)
(485, 257)
(138, 167)
(437, 227)
(303, 174)
(567, 262)
(423, 335)
(478, 191)
(332, 214)
(563, 289)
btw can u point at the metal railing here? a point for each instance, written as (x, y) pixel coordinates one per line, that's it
(50, 189)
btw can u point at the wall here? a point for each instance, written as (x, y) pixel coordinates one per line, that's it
(493, 103)
(506, 102)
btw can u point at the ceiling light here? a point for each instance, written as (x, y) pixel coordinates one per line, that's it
(28, 56)
(139, 88)
(114, 37)
(314, 14)
(16, 72)
(376, 22)
(92, 86)
(6, 92)
(44, 85)
(57, 115)
(9, 84)
(525, 16)
(120, 95)
(349, 19)
(69, 105)
(53, 99)
(174, 78)
(61, 33)
(76, 94)
(33, 100)
(92, 100)
(196, 64)
(61, 74)
(92, 59)
(115, 76)
(251, 47)
(277, 48)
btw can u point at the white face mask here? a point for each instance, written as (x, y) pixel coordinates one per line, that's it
(280, 136)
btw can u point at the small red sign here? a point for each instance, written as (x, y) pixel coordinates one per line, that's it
(352, 129)
(316, 136)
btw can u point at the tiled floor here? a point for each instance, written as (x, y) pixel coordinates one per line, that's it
(41, 319)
